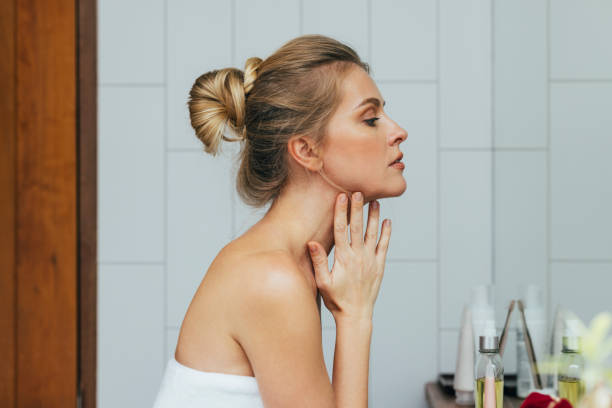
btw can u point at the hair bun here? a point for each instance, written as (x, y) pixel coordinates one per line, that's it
(217, 100)
(250, 73)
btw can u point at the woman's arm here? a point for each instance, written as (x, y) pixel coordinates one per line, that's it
(350, 291)
(351, 362)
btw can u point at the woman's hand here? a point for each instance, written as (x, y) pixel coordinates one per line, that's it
(351, 289)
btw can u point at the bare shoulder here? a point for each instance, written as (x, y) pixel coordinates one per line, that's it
(271, 272)
(279, 328)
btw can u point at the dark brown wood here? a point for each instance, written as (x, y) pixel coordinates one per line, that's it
(7, 204)
(436, 398)
(87, 196)
(46, 189)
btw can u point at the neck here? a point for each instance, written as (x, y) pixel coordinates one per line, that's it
(302, 213)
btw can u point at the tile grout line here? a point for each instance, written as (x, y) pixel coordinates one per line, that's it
(233, 62)
(165, 182)
(580, 260)
(438, 189)
(578, 80)
(493, 143)
(548, 173)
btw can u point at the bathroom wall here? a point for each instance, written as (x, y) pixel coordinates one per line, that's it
(506, 105)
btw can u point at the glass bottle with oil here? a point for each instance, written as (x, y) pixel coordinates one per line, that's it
(489, 374)
(571, 368)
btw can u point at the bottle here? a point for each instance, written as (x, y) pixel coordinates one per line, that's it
(535, 318)
(571, 368)
(489, 373)
(463, 382)
(556, 335)
(524, 379)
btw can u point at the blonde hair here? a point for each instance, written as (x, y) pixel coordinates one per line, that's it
(294, 91)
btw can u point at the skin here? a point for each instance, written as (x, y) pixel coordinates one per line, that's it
(269, 269)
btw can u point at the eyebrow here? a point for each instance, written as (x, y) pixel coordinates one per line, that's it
(374, 101)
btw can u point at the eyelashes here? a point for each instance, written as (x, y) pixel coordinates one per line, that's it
(371, 121)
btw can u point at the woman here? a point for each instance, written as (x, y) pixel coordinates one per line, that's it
(317, 145)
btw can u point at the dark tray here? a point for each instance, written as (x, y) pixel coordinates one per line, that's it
(446, 382)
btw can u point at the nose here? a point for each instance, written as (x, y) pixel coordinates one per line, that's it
(398, 135)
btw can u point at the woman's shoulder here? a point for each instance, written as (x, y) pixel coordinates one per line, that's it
(264, 268)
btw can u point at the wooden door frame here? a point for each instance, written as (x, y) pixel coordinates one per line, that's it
(27, 275)
(87, 111)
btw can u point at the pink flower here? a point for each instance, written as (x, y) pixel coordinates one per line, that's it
(537, 400)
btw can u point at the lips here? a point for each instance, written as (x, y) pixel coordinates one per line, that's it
(397, 159)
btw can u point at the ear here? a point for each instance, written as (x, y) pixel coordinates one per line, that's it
(305, 152)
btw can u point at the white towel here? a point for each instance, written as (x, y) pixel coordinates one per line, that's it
(185, 387)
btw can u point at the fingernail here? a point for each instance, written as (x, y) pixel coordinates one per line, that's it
(374, 205)
(357, 196)
(312, 247)
(343, 198)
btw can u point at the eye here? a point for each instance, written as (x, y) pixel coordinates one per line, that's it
(371, 121)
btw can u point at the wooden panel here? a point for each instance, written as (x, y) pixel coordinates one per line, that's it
(7, 203)
(87, 194)
(46, 184)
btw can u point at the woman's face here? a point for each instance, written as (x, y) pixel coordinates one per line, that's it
(362, 142)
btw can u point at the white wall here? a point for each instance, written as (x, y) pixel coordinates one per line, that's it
(507, 107)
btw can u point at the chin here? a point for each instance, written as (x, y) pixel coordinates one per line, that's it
(395, 190)
(399, 190)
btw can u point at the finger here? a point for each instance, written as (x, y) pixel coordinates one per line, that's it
(357, 220)
(372, 229)
(340, 238)
(383, 242)
(319, 262)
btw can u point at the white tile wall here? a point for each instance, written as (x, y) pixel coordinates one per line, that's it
(580, 33)
(131, 174)
(582, 287)
(465, 73)
(329, 345)
(414, 216)
(506, 108)
(321, 17)
(199, 39)
(131, 41)
(403, 40)
(520, 226)
(172, 334)
(520, 73)
(260, 31)
(448, 345)
(404, 348)
(130, 334)
(465, 211)
(199, 223)
(581, 147)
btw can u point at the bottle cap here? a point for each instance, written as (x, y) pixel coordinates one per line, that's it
(571, 343)
(489, 344)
